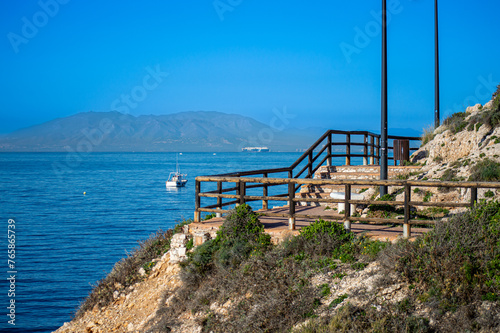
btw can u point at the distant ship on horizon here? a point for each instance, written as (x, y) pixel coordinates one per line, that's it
(255, 149)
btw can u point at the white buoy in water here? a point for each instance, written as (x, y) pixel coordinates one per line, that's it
(84, 193)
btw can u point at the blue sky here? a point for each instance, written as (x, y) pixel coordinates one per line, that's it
(318, 60)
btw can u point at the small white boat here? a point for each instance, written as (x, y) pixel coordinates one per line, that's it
(176, 179)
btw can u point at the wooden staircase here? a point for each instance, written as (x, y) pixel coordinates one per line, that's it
(359, 172)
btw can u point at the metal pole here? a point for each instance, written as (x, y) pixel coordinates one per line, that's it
(436, 69)
(383, 130)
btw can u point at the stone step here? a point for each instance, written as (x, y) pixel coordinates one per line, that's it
(366, 168)
(318, 195)
(329, 188)
(361, 172)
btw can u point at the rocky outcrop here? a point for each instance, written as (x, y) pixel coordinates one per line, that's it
(473, 143)
(178, 247)
(455, 154)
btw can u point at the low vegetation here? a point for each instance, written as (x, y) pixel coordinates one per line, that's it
(457, 122)
(428, 135)
(266, 287)
(485, 170)
(452, 273)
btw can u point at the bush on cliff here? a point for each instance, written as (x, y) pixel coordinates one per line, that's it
(485, 170)
(453, 275)
(455, 268)
(491, 117)
(241, 236)
(456, 122)
(496, 99)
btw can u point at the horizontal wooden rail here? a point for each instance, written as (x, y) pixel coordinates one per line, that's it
(408, 218)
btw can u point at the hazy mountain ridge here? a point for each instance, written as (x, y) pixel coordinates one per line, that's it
(185, 131)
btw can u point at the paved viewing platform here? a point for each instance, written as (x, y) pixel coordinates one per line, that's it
(278, 227)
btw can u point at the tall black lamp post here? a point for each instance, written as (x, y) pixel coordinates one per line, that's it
(383, 130)
(436, 65)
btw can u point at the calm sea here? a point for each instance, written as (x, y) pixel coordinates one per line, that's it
(65, 240)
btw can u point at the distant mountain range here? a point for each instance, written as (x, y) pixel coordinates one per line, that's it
(193, 131)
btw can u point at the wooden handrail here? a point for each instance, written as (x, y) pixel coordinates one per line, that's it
(241, 197)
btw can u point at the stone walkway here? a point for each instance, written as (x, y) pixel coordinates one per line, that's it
(277, 227)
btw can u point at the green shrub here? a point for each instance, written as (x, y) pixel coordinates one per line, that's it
(449, 175)
(209, 216)
(240, 236)
(338, 300)
(372, 248)
(350, 318)
(454, 265)
(489, 194)
(178, 227)
(321, 238)
(325, 289)
(456, 122)
(438, 159)
(485, 170)
(496, 99)
(190, 244)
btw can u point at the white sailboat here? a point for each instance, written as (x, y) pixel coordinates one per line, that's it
(176, 179)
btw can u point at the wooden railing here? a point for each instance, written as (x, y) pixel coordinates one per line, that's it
(324, 148)
(242, 184)
(323, 151)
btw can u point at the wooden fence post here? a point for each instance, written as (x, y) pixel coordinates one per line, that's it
(219, 199)
(329, 149)
(407, 225)
(242, 192)
(377, 157)
(197, 213)
(473, 196)
(309, 163)
(265, 194)
(372, 150)
(291, 205)
(365, 150)
(347, 207)
(348, 149)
